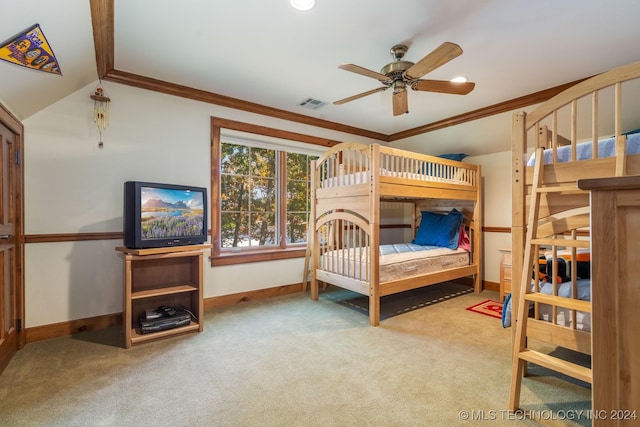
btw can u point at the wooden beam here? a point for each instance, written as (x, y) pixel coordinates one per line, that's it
(103, 35)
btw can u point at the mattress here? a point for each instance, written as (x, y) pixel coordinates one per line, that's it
(564, 289)
(397, 261)
(563, 316)
(606, 148)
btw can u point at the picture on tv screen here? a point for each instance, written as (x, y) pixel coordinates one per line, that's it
(167, 213)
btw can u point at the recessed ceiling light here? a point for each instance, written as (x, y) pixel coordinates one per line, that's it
(303, 4)
(459, 79)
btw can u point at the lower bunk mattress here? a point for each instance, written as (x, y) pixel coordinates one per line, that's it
(397, 261)
(564, 316)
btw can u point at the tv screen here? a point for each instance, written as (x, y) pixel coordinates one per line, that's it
(159, 215)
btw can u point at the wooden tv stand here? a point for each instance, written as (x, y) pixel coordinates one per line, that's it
(161, 276)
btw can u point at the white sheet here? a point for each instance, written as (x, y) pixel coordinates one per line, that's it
(606, 148)
(397, 261)
(563, 315)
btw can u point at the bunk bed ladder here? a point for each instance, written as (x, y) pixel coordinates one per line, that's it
(521, 353)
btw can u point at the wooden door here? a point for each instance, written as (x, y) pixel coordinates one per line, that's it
(11, 238)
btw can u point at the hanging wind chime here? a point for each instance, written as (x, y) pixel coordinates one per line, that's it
(100, 110)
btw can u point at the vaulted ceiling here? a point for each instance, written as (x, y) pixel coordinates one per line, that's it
(266, 57)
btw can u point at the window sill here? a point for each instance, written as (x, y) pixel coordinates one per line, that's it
(230, 258)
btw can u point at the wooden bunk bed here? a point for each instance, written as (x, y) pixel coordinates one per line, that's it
(588, 132)
(349, 182)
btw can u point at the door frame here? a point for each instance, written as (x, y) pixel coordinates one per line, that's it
(10, 121)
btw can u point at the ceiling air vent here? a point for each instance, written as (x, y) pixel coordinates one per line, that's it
(311, 103)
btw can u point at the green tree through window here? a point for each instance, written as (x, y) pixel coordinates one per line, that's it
(264, 197)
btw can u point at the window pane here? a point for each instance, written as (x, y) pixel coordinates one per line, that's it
(297, 196)
(234, 193)
(263, 162)
(263, 229)
(298, 192)
(296, 227)
(263, 195)
(234, 229)
(234, 159)
(297, 166)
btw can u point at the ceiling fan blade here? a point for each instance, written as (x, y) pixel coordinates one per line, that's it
(365, 72)
(443, 86)
(400, 102)
(360, 95)
(440, 56)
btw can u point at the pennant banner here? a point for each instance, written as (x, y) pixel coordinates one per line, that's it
(30, 49)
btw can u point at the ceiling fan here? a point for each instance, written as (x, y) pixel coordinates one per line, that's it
(401, 74)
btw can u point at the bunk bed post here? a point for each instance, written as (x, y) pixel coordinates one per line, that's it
(374, 223)
(477, 231)
(313, 249)
(518, 203)
(414, 219)
(621, 141)
(520, 314)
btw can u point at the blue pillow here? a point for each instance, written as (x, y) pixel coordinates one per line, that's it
(457, 156)
(439, 230)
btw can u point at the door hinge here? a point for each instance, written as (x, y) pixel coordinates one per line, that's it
(18, 157)
(19, 325)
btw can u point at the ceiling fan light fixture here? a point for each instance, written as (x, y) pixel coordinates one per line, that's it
(459, 79)
(303, 4)
(402, 74)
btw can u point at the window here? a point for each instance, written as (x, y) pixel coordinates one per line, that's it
(298, 196)
(254, 212)
(260, 193)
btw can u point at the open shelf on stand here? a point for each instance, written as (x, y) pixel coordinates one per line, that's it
(154, 277)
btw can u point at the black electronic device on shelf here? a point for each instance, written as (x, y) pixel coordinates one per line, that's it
(163, 318)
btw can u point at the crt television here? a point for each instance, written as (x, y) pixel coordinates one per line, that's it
(160, 215)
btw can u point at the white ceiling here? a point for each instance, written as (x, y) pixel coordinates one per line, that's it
(267, 53)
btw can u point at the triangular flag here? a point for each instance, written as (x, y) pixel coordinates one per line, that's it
(30, 49)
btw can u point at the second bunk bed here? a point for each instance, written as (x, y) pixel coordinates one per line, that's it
(589, 131)
(349, 183)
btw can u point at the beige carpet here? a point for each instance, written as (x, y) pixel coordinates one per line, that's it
(288, 361)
